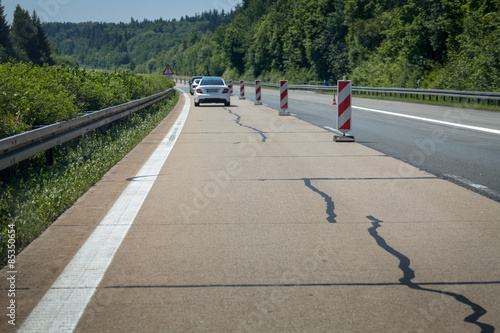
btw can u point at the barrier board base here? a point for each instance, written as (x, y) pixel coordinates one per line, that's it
(284, 113)
(343, 138)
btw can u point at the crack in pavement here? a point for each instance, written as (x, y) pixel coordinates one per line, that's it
(409, 275)
(238, 121)
(330, 205)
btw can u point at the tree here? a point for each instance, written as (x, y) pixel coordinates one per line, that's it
(28, 38)
(5, 44)
(6, 50)
(43, 55)
(23, 35)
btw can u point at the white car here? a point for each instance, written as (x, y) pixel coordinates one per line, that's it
(194, 85)
(191, 81)
(212, 90)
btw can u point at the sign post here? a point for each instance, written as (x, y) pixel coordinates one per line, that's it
(344, 111)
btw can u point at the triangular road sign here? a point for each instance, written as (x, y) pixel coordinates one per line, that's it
(168, 71)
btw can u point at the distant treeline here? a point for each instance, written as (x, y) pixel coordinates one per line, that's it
(135, 46)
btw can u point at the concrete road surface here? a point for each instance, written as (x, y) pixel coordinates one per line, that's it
(460, 145)
(261, 223)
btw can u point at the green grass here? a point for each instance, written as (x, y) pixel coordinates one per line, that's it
(36, 194)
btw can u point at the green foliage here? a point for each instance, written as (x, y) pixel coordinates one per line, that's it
(447, 44)
(475, 64)
(32, 96)
(37, 194)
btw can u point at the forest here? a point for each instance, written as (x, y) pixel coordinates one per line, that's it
(447, 44)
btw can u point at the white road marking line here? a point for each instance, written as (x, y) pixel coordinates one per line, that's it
(64, 303)
(467, 182)
(332, 129)
(435, 121)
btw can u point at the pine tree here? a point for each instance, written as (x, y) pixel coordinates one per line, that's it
(6, 51)
(43, 45)
(28, 38)
(23, 34)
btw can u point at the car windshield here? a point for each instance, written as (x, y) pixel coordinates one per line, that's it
(212, 82)
(197, 81)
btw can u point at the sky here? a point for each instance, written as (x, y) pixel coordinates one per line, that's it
(114, 10)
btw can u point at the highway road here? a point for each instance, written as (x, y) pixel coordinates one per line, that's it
(468, 155)
(234, 219)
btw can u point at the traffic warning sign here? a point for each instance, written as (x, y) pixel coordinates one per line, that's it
(168, 71)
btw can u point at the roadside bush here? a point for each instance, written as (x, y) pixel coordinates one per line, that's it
(31, 95)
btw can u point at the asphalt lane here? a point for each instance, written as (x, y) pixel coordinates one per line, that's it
(464, 156)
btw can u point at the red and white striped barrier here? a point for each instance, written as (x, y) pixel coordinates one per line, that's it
(230, 87)
(258, 92)
(242, 89)
(284, 98)
(344, 111)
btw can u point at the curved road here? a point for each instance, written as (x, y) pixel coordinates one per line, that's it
(467, 155)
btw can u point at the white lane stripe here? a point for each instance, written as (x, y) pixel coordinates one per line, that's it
(64, 303)
(435, 121)
(333, 129)
(472, 184)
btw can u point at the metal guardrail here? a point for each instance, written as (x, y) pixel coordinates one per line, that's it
(20, 147)
(403, 91)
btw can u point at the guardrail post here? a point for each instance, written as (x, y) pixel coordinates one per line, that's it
(49, 157)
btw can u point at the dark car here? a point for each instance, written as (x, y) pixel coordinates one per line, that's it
(191, 81)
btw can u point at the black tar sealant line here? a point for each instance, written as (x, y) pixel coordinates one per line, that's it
(238, 121)
(409, 274)
(330, 205)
